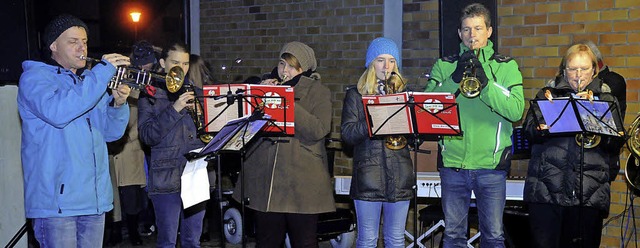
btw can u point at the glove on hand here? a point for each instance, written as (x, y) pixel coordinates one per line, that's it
(468, 62)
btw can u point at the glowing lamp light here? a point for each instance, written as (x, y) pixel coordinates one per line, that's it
(135, 16)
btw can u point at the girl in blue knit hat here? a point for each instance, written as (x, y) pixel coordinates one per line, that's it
(382, 177)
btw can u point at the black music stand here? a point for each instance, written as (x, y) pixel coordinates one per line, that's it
(426, 117)
(234, 137)
(576, 116)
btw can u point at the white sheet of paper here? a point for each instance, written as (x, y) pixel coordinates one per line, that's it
(194, 182)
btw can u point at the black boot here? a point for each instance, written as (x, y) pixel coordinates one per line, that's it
(132, 229)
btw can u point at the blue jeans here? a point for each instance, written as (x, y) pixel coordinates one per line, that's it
(489, 187)
(395, 220)
(170, 215)
(74, 231)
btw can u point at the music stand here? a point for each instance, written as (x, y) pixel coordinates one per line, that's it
(416, 114)
(235, 134)
(576, 116)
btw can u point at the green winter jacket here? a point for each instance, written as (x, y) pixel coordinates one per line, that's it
(486, 120)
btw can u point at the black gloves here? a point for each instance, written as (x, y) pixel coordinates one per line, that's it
(469, 63)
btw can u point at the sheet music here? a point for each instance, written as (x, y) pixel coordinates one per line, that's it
(400, 123)
(244, 134)
(194, 182)
(595, 117)
(552, 110)
(214, 107)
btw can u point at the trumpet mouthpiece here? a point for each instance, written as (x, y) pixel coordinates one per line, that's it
(82, 57)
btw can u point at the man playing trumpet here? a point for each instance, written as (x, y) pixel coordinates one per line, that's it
(478, 160)
(67, 118)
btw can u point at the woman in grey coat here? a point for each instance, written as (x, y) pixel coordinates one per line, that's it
(286, 178)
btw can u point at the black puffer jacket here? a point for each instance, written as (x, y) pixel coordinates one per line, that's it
(554, 168)
(379, 174)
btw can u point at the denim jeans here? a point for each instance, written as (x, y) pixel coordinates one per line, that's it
(74, 231)
(489, 187)
(368, 216)
(169, 214)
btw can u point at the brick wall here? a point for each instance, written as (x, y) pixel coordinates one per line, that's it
(535, 32)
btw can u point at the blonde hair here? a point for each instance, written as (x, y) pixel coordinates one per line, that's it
(575, 50)
(368, 82)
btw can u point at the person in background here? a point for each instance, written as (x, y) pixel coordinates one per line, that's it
(618, 87)
(478, 160)
(561, 213)
(127, 160)
(199, 72)
(200, 75)
(287, 182)
(68, 115)
(166, 126)
(144, 56)
(383, 179)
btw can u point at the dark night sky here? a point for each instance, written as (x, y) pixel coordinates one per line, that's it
(110, 26)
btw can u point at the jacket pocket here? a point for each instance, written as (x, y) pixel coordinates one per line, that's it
(165, 170)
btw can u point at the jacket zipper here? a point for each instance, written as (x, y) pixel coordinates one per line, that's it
(95, 178)
(495, 149)
(61, 192)
(275, 162)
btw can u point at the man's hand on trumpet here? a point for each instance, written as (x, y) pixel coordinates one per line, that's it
(117, 59)
(120, 94)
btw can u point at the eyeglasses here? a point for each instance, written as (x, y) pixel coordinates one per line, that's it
(574, 71)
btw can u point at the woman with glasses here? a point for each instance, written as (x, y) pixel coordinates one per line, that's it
(563, 214)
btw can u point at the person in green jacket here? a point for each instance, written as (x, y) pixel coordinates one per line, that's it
(479, 159)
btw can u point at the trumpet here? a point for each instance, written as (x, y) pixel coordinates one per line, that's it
(174, 82)
(392, 86)
(138, 78)
(470, 85)
(284, 79)
(590, 140)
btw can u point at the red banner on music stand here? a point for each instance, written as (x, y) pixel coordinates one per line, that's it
(437, 113)
(276, 101)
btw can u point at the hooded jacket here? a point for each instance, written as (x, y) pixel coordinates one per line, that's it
(66, 122)
(553, 174)
(486, 120)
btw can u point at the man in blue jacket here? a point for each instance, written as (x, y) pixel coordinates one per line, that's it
(67, 118)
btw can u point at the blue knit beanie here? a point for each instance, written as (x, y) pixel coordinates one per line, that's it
(380, 46)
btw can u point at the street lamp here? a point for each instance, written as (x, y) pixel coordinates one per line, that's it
(135, 17)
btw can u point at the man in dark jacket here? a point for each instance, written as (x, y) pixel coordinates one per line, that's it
(165, 124)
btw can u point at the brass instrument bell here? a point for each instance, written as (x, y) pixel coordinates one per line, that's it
(392, 86)
(633, 164)
(470, 85)
(590, 140)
